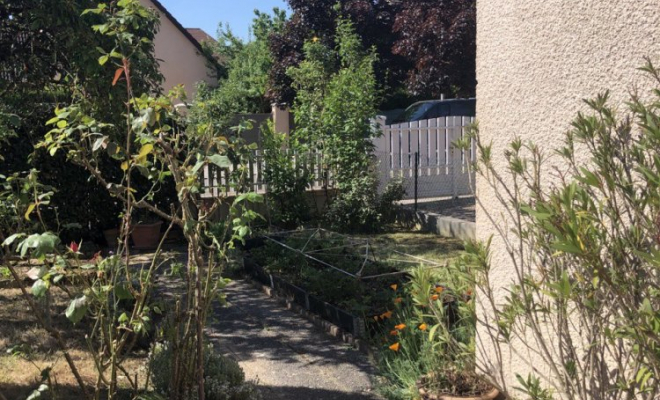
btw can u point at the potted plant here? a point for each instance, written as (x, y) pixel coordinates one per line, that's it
(146, 231)
(448, 384)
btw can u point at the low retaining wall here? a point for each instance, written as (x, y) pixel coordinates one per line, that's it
(438, 224)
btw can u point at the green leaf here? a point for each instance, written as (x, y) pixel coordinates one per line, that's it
(39, 288)
(104, 59)
(52, 120)
(220, 161)
(566, 247)
(40, 244)
(12, 238)
(122, 292)
(77, 309)
(61, 124)
(98, 143)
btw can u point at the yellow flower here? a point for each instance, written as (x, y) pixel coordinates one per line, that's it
(398, 300)
(400, 326)
(395, 346)
(315, 39)
(394, 332)
(422, 327)
(394, 286)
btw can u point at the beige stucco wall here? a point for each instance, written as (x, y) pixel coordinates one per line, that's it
(536, 61)
(180, 61)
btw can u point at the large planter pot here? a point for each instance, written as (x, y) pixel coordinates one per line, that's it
(146, 236)
(111, 236)
(426, 395)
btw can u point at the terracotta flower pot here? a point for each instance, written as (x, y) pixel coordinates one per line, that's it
(425, 395)
(111, 236)
(146, 236)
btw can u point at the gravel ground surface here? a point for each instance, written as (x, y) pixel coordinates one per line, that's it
(288, 355)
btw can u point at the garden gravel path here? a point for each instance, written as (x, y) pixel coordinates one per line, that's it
(289, 356)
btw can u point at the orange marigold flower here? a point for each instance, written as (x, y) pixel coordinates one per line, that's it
(386, 314)
(434, 297)
(439, 289)
(394, 286)
(469, 292)
(422, 327)
(400, 326)
(395, 346)
(398, 300)
(394, 332)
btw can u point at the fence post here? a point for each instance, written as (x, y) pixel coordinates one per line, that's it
(416, 174)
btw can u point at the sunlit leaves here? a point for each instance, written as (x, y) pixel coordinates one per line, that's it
(77, 309)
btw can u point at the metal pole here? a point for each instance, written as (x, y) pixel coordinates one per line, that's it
(416, 174)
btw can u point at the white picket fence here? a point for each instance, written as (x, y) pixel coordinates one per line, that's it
(441, 169)
(217, 181)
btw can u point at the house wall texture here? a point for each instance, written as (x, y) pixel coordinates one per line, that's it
(536, 61)
(180, 60)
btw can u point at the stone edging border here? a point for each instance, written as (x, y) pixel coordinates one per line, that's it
(439, 224)
(328, 327)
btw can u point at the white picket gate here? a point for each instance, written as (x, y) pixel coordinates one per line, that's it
(441, 169)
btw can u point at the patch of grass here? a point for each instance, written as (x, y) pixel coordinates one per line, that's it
(21, 374)
(427, 246)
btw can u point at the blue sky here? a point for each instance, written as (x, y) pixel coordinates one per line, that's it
(206, 14)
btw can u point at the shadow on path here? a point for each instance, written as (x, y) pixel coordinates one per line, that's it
(291, 358)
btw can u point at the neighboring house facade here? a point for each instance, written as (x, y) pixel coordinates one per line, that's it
(536, 61)
(179, 53)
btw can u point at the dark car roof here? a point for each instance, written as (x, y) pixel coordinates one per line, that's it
(428, 109)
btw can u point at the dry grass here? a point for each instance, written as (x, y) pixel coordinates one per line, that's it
(19, 375)
(427, 246)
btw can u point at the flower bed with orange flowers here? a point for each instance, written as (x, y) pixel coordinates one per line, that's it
(427, 343)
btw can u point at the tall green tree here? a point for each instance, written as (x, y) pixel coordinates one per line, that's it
(45, 58)
(247, 64)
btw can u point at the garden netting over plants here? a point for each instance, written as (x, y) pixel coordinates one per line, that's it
(336, 276)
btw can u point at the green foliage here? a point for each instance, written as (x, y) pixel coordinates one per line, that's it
(58, 45)
(336, 100)
(243, 89)
(224, 378)
(144, 140)
(366, 297)
(585, 251)
(288, 173)
(431, 335)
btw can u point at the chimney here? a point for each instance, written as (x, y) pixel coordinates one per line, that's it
(280, 113)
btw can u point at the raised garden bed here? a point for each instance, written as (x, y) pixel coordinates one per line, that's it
(336, 277)
(343, 319)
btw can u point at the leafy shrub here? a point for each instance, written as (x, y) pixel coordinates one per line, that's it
(360, 297)
(287, 179)
(223, 377)
(431, 334)
(584, 254)
(359, 208)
